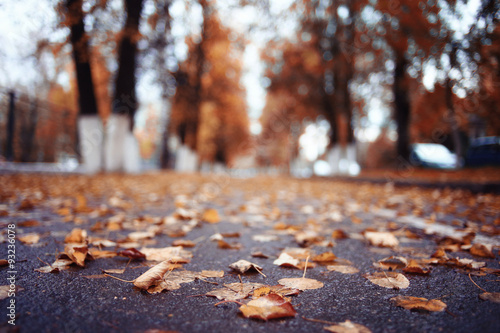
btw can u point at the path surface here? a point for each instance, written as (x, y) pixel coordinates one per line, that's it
(267, 215)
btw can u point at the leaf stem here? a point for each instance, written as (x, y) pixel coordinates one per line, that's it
(114, 277)
(477, 284)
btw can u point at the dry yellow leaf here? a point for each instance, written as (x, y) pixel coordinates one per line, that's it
(381, 238)
(419, 303)
(211, 215)
(347, 327)
(390, 280)
(344, 269)
(301, 283)
(268, 307)
(76, 235)
(29, 239)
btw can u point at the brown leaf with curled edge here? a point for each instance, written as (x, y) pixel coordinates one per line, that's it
(243, 265)
(234, 291)
(259, 254)
(415, 268)
(301, 283)
(339, 234)
(391, 280)
(56, 266)
(97, 254)
(29, 223)
(183, 243)
(152, 276)
(481, 250)
(347, 327)
(267, 307)
(211, 215)
(114, 270)
(381, 238)
(392, 263)
(29, 239)
(419, 303)
(222, 244)
(132, 253)
(324, 257)
(344, 269)
(4, 262)
(76, 235)
(492, 297)
(77, 253)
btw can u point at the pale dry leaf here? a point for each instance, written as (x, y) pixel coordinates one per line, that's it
(344, 269)
(481, 250)
(265, 238)
(234, 291)
(301, 283)
(324, 257)
(285, 260)
(267, 307)
(103, 243)
(97, 254)
(392, 263)
(347, 327)
(390, 280)
(211, 215)
(212, 274)
(140, 235)
(77, 253)
(6, 290)
(492, 297)
(114, 270)
(29, 239)
(419, 303)
(183, 243)
(381, 238)
(243, 265)
(415, 268)
(299, 252)
(152, 275)
(172, 253)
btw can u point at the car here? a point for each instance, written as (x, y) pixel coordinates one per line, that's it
(483, 151)
(432, 155)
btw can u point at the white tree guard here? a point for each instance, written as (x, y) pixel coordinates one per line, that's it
(186, 160)
(120, 147)
(90, 132)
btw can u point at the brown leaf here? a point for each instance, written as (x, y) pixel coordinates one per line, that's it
(152, 276)
(415, 268)
(268, 307)
(347, 327)
(339, 234)
(344, 269)
(4, 262)
(173, 253)
(210, 274)
(381, 238)
(114, 270)
(29, 223)
(76, 235)
(419, 303)
(390, 280)
(301, 283)
(211, 215)
(481, 250)
(259, 254)
(222, 244)
(77, 253)
(324, 257)
(132, 253)
(243, 265)
(97, 254)
(285, 260)
(492, 297)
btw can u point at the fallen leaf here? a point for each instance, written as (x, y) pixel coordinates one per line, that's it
(481, 250)
(114, 270)
(419, 303)
(76, 235)
(415, 268)
(234, 291)
(344, 269)
(103, 243)
(98, 254)
(324, 257)
(390, 280)
(222, 244)
(268, 307)
(172, 253)
(230, 234)
(259, 254)
(381, 238)
(492, 297)
(152, 275)
(132, 253)
(29, 239)
(242, 266)
(56, 266)
(77, 253)
(211, 215)
(285, 260)
(5, 290)
(392, 263)
(347, 327)
(29, 223)
(339, 234)
(301, 283)
(214, 274)
(183, 243)
(4, 262)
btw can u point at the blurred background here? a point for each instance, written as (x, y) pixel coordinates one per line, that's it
(308, 87)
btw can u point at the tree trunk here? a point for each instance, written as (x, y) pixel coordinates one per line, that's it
(402, 108)
(455, 130)
(125, 100)
(81, 57)
(9, 148)
(28, 133)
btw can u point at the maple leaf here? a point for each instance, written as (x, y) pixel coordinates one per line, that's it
(347, 327)
(301, 283)
(267, 307)
(391, 280)
(419, 303)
